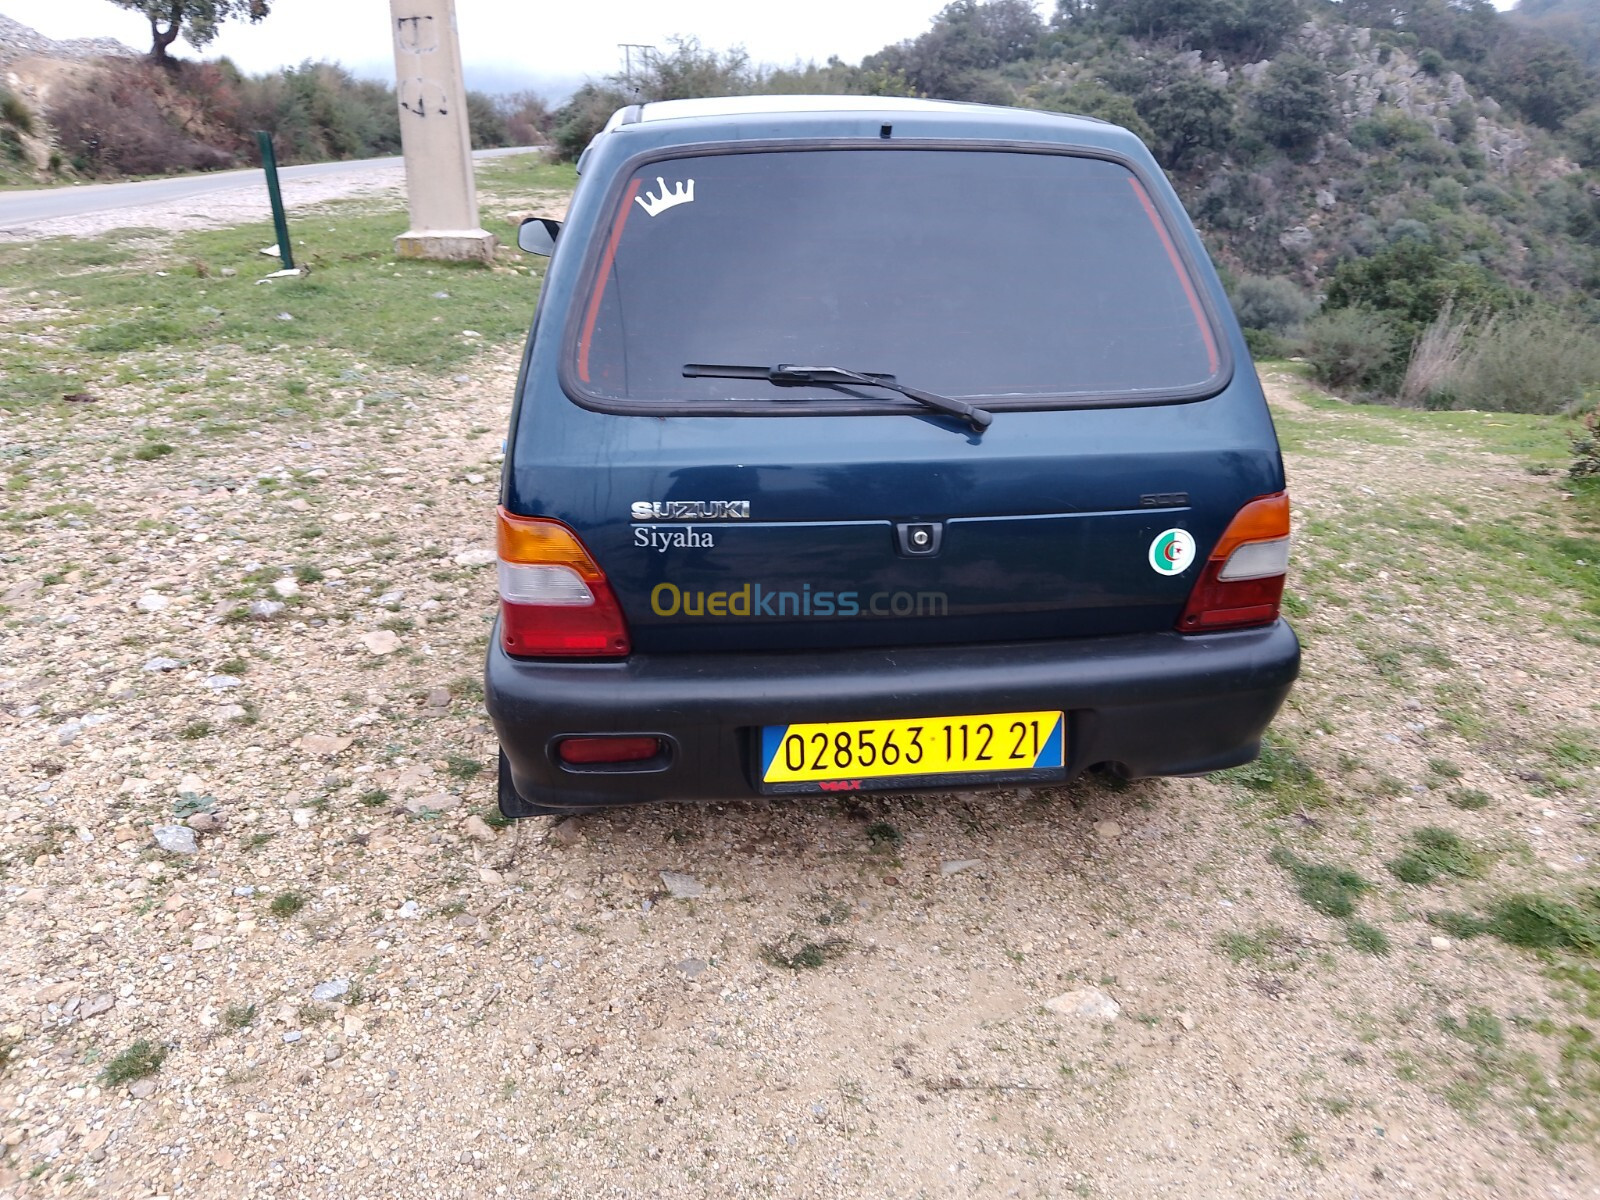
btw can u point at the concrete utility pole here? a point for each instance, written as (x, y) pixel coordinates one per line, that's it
(433, 132)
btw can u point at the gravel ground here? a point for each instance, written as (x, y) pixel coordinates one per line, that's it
(362, 988)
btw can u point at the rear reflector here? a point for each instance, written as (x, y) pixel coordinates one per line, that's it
(1242, 583)
(587, 751)
(554, 598)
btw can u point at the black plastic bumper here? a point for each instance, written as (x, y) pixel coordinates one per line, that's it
(1149, 704)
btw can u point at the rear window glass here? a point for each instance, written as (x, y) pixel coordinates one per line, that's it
(971, 273)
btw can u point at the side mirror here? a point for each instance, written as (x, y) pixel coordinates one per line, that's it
(537, 235)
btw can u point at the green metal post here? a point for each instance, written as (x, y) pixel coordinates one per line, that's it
(269, 163)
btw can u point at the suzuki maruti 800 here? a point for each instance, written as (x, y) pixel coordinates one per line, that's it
(866, 443)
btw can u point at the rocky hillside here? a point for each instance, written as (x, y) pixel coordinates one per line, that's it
(18, 41)
(1394, 162)
(32, 67)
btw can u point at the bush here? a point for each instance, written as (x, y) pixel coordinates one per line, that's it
(1351, 348)
(1294, 106)
(1273, 304)
(110, 123)
(1412, 279)
(581, 118)
(1529, 363)
(485, 121)
(14, 112)
(1089, 98)
(1586, 449)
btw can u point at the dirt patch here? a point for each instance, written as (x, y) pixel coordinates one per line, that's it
(362, 988)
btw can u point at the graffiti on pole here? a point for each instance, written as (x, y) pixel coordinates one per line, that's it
(420, 96)
(417, 35)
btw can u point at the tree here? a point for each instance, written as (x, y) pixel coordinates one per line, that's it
(196, 20)
(1247, 29)
(966, 38)
(1543, 80)
(1187, 116)
(1294, 106)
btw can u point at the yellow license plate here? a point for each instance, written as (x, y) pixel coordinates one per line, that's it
(994, 742)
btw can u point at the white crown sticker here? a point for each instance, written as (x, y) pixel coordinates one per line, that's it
(655, 205)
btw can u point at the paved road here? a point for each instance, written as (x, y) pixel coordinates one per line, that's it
(20, 208)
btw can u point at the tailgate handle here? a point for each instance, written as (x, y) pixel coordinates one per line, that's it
(919, 539)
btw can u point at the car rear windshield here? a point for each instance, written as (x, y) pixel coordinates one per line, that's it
(1028, 277)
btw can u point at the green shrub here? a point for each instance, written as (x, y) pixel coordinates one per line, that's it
(1586, 449)
(138, 1060)
(14, 112)
(1294, 105)
(1352, 348)
(1264, 343)
(1273, 304)
(1530, 363)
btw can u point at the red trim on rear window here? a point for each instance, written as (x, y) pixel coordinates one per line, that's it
(1183, 274)
(600, 283)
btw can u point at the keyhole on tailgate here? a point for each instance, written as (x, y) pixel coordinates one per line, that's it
(919, 540)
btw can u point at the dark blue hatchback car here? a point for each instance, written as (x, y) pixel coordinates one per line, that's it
(866, 443)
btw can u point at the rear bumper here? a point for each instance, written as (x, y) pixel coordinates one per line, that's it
(1149, 704)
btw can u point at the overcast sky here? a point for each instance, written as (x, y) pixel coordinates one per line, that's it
(512, 43)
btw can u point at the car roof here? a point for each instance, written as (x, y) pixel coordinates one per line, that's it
(740, 106)
(782, 111)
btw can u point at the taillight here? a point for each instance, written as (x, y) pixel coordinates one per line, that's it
(1242, 583)
(584, 751)
(554, 598)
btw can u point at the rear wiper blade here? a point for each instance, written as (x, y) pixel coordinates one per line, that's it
(788, 375)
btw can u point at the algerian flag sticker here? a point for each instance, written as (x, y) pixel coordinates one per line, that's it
(1172, 552)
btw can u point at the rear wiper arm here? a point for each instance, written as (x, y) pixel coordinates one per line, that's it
(788, 375)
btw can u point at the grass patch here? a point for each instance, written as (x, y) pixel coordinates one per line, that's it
(1262, 945)
(286, 904)
(1482, 1027)
(797, 955)
(1330, 890)
(1544, 923)
(195, 730)
(1573, 750)
(1470, 799)
(462, 767)
(375, 798)
(884, 836)
(1279, 775)
(1533, 922)
(151, 451)
(238, 1016)
(1435, 853)
(1368, 939)
(359, 313)
(137, 1061)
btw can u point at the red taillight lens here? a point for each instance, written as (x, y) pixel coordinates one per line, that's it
(554, 598)
(583, 751)
(1242, 582)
